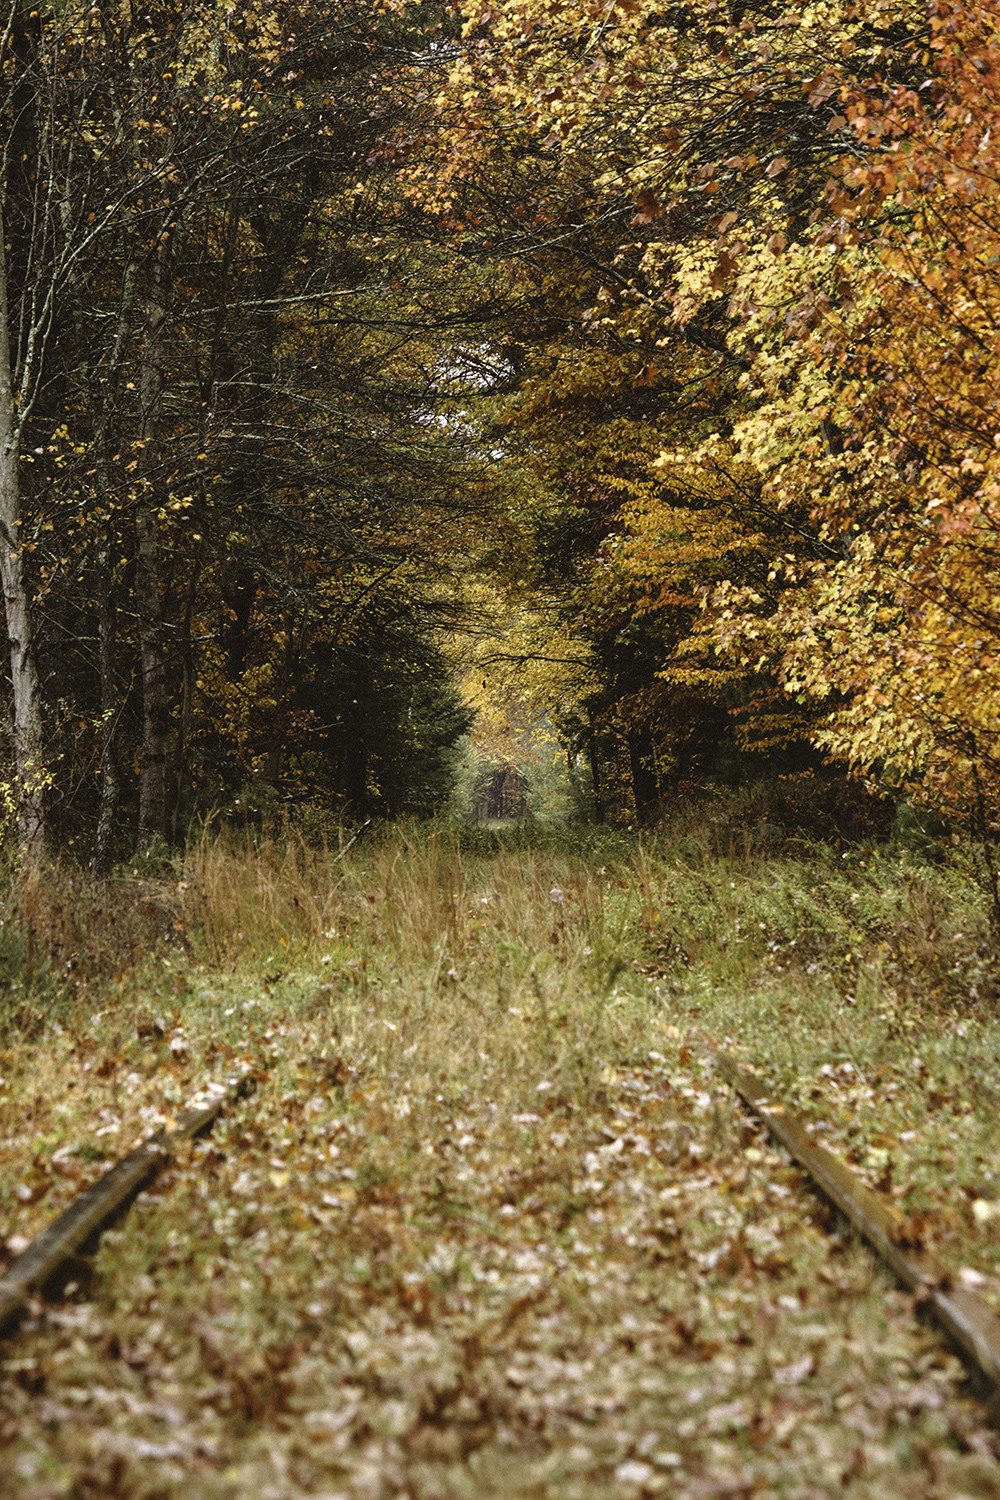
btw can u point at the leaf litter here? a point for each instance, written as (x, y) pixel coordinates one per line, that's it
(463, 1247)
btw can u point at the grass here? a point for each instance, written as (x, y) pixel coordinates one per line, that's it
(491, 1226)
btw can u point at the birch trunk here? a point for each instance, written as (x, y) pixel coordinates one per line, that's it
(28, 789)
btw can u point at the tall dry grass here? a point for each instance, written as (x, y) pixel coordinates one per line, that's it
(420, 957)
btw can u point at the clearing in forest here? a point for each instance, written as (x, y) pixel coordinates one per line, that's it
(489, 1225)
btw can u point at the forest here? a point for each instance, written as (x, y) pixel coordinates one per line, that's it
(499, 526)
(371, 372)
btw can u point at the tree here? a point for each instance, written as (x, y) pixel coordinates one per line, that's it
(27, 793)
(884, 417)
(685, 164)
(238, 422)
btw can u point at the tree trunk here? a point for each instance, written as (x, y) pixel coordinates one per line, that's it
(356, 779)
(155, 713)
(103, 400)
(28, 790)
(594, 761)
(188, 674)
(110, 785)
(645, 787)
(149, 598)
(240, 599)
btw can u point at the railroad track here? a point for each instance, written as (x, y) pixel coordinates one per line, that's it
(97, 1206)
(964, 1316)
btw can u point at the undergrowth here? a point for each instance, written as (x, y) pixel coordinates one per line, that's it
(491, 1204)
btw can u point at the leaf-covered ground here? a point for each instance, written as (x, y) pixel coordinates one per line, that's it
(489, 1225)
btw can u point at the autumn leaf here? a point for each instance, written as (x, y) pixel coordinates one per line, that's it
(647, 207)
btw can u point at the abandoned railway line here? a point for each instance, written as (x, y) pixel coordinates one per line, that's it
(494, 1223)
(966, 1320)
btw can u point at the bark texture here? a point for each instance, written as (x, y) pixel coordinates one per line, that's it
(149, 600)
(28, 791)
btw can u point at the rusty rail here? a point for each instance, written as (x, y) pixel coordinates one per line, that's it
(97, 1205)
(967, 1319)
(972, 1325)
